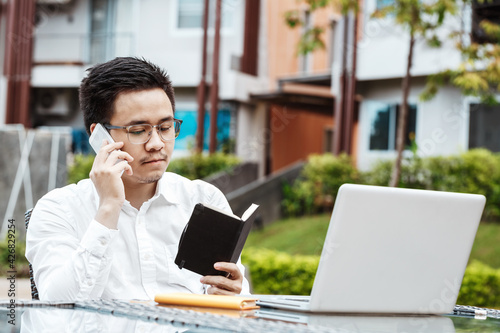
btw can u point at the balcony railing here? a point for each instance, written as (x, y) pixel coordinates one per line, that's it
(67, 48)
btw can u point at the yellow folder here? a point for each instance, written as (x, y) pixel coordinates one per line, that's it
(211, 301)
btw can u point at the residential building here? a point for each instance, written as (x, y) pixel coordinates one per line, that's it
(299, 102)
(69, 36)
(275, 107)
(448, 124)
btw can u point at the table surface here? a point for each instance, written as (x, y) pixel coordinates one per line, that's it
(130, 316)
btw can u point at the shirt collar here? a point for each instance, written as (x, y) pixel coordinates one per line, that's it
(166, 190)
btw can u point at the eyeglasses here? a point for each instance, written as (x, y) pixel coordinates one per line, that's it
(141, 133)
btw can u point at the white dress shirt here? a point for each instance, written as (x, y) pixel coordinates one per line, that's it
(75, 257)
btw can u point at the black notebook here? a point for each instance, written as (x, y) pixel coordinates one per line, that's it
(213, 235)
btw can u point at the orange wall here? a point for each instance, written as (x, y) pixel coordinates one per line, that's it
(282, 40)
(295, 134)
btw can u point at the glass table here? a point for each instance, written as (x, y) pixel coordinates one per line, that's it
(136, 316)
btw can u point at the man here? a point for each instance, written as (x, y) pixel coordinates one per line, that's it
(115, 235)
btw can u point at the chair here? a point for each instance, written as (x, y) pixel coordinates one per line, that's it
(34, 290)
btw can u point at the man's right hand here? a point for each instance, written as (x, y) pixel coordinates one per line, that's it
(106, 176)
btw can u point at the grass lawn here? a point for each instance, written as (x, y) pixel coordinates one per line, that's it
(305, 235)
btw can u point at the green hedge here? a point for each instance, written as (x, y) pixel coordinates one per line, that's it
(273, 272)
(316, 188)
(474, 171)
(195, 166)
(80, 168)
(21, 263)
(480, 286)
(199, 166)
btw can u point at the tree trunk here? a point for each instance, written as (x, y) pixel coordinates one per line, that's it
(403, 119)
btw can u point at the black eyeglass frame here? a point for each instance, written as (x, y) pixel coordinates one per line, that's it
(177, 128)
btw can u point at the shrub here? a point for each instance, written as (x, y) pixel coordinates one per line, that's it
(21, 263)
(413, 173)
(475, 171)
(198, 166)
(273, 272)
(316, 188)
(80, 169)
(480, 286)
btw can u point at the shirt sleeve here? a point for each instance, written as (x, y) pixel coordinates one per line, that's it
(217, 199)
(66, 267)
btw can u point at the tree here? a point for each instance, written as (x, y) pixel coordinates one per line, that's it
(421, 20)
(479, 73)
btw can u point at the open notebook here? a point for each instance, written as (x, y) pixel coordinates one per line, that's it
(391, 250)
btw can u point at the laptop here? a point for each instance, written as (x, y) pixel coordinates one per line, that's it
(391, 250)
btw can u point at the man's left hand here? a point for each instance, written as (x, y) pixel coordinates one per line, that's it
(220, 285)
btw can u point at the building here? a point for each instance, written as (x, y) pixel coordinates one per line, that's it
(70, 36)
(448, 124)
(275, 107)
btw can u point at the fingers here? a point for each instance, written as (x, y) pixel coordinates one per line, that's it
(220, 285)
(112, 150)
(212, 290)
(110, 159)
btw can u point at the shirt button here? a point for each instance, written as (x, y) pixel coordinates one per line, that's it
(89, 283)
(103, 241)
(146, 256)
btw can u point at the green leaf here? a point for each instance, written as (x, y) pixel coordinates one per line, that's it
(434, 41)
(292, 18)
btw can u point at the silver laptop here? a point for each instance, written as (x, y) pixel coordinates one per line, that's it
(391, 250)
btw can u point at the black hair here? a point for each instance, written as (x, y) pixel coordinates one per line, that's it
(99, 90)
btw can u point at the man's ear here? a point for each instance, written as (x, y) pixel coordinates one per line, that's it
(92, 127)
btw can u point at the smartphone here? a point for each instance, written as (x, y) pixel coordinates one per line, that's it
(98, 135)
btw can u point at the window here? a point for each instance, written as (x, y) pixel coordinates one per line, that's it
(305, 61)
(483, 127)
(383, 126)
(484, 10)
(101, 25)
(331, 46)
(384, 3)
(190, 13)
(328, 139)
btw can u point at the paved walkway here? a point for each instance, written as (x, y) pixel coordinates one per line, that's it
(23, 288)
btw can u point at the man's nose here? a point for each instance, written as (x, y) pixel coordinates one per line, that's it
(155, 142)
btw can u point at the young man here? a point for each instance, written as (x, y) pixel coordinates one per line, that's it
(115, 235)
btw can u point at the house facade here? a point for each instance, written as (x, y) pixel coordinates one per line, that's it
(448, 124)
(69, 36)
(275, 106)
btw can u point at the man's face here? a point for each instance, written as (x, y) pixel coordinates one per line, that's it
(143, 107)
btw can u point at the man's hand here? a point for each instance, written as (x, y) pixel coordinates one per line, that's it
(106, 176)
(220, 285)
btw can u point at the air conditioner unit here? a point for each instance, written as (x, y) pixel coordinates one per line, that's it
(53, 2)
(53, 102)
